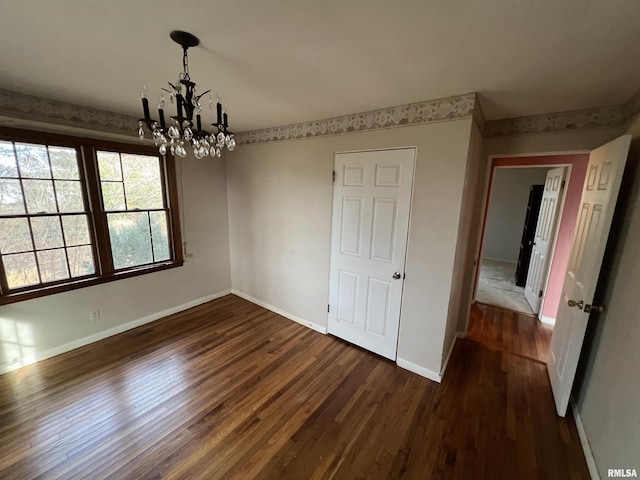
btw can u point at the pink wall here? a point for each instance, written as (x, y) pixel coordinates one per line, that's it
(560, 258)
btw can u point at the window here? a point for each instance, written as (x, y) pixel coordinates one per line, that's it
(76, 212)
(133, 199)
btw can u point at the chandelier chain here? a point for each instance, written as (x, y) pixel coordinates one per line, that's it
(185, 63)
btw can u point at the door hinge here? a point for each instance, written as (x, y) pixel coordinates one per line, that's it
(334, 175)
(593, 308)
(564, 182)
(328, 308)
(540, 294)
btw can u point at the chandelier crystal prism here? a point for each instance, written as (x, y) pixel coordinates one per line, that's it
(171, 136)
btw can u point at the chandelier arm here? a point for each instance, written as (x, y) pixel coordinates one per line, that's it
(175, 92)
(201, 95)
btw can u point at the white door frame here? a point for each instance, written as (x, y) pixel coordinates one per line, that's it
(404, 262)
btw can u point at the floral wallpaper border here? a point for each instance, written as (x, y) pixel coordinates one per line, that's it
(604, 117)
(444, 109)
(13, 104)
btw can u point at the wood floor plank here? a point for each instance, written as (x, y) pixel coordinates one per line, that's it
(230, 390)
(511, 331)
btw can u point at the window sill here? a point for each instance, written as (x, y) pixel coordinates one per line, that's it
(44, 291)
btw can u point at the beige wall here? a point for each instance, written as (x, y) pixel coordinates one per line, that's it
(280, 221)
(608, 383)
(464, 268)
(47, 324)
(581, 140)
(507, 210)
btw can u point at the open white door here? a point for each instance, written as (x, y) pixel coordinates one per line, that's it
(599, 195)
(543, 239)
(371, 202)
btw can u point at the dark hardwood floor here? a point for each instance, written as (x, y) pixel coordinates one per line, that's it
(515, 332)
(230, 390)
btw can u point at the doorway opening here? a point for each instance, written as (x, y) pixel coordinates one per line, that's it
(506, 256)
(512, 218)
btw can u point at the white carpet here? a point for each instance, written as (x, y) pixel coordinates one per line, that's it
(496, 286)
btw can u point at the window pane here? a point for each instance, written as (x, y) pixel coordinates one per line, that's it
(11, 201)
(39, 196)
(113, 196)
(130, 239)
(33, 161)
(159, 236)
(15, 235)
(109, 166)
(64, 162)
(76, 230)
(46, 232)
(81, 261)
(53, 265)
(142, 182)
(69, 195)
(8, 165)
(21, 269)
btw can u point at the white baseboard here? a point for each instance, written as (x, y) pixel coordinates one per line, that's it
(586, 446)
(446, 360)
(423, 372)
(503, 260)
(81, 342)
(547, 320)
(284, 313)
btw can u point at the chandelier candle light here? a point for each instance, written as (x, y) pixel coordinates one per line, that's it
(172, 136)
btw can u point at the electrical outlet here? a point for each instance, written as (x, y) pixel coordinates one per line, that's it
(94, 316)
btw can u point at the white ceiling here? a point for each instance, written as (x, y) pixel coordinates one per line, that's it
(285, 61)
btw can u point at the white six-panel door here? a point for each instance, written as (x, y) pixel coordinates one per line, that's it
(370, 222)
(599, 195)
(543, 239)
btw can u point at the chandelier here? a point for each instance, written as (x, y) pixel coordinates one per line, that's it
(173, 134)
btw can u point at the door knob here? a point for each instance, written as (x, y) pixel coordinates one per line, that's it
(573, 303)
(396, 276)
